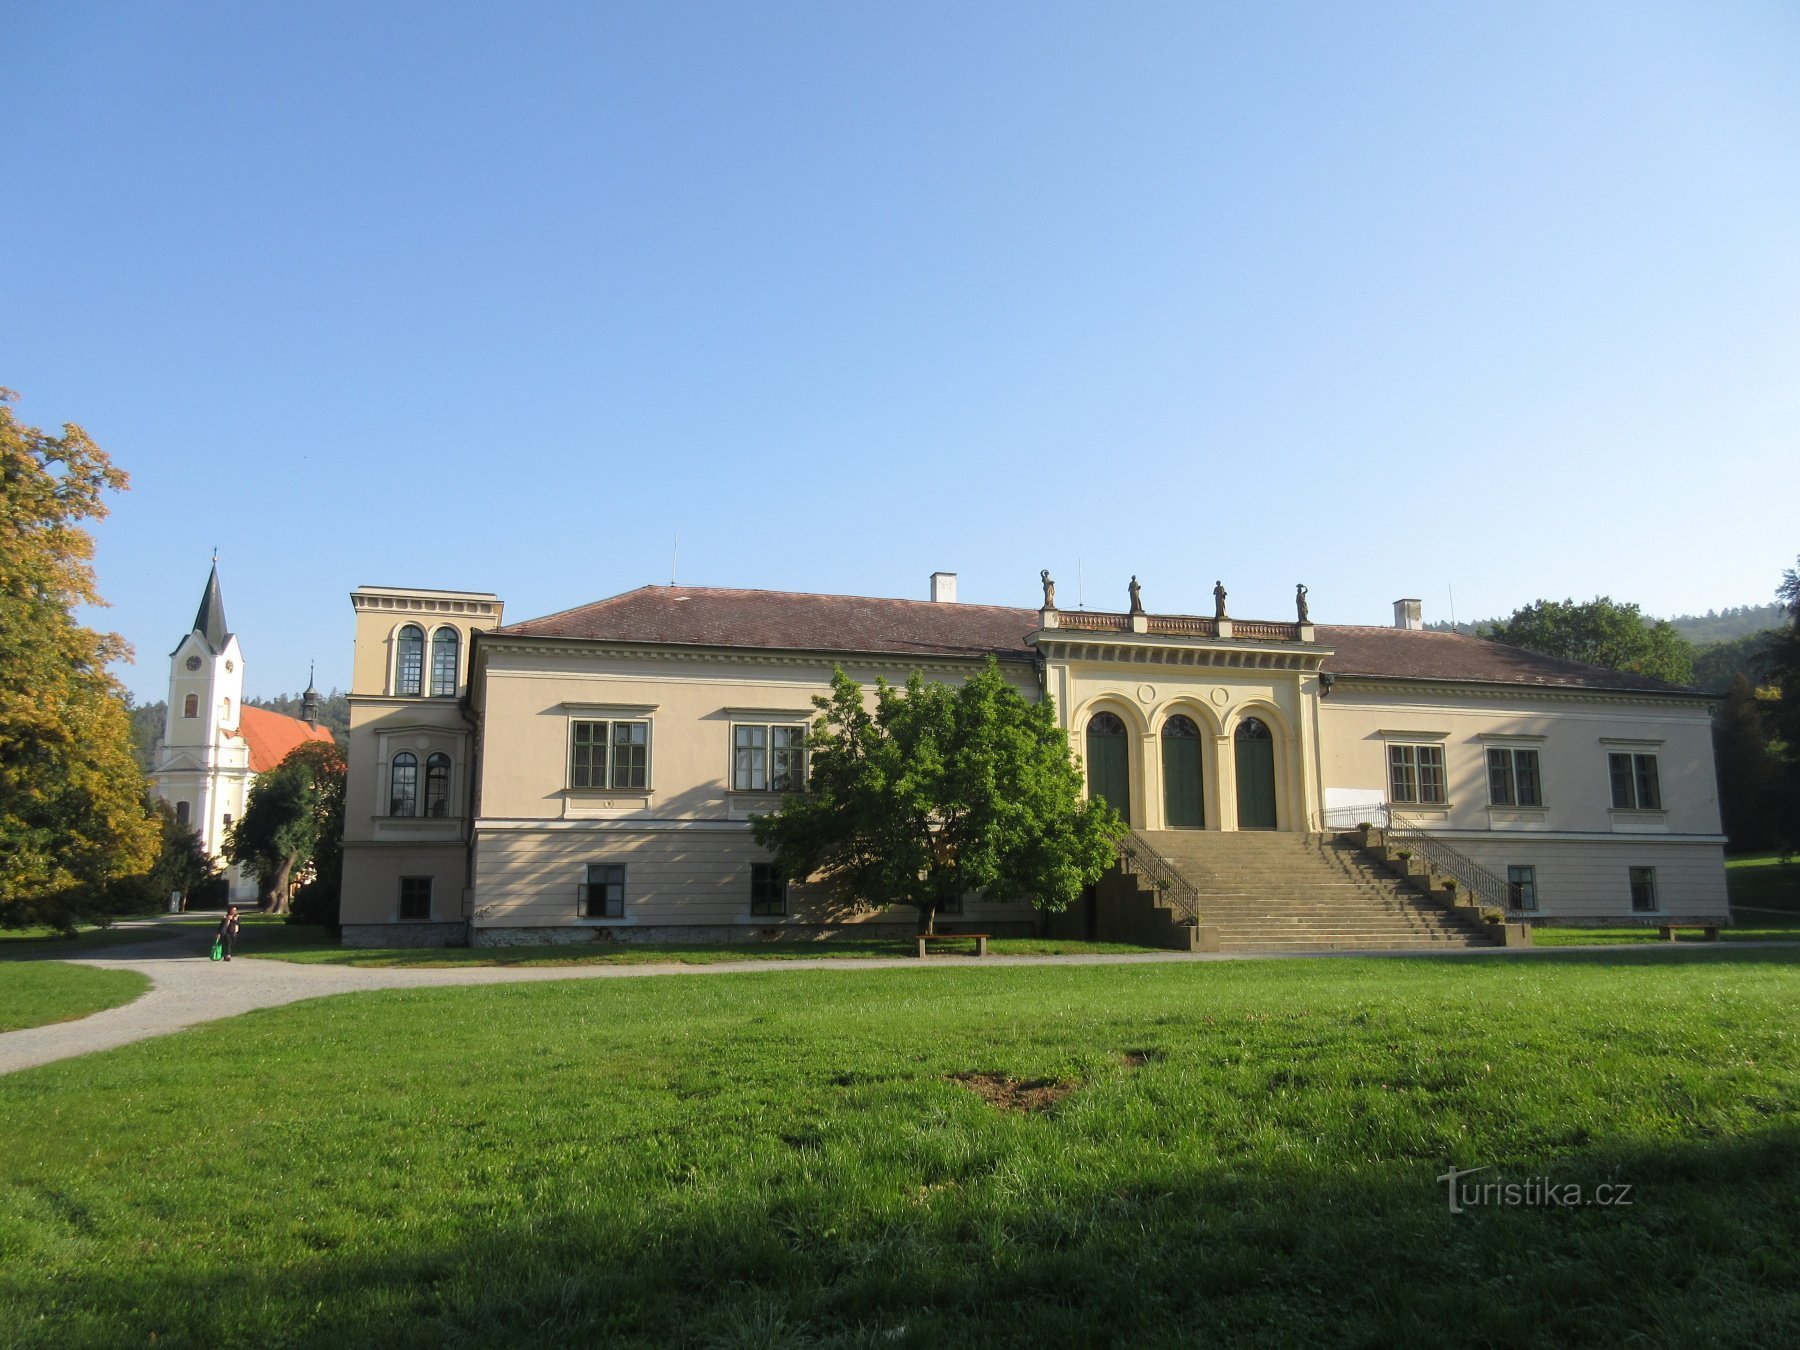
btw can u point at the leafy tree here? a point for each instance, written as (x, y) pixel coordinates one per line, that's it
(1751, 786)
(939, 792)
(72, 813)
(1601, 633)
(294, 820)
(1718, 664)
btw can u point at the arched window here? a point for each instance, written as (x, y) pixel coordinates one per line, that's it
(1184, 806)
(437, 785)
(443, 662)
(1108, 765)
(182, 809)
(1255, 775)
(190, 706)
(225, 709)
(409, 661)
(403, 785)
(1252, 729)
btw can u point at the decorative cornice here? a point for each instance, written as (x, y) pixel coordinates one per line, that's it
(1495, 689)
(1061, 644)
(570, 648)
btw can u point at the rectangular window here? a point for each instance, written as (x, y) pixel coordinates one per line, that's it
(1643, 890)
(603, 896)
(1635, 785)
(768, 892)
(1521, 882)
(609, 755)
(1513, 777)
(415, 898)
(768, 758)
(182, 810)
(1416, 774)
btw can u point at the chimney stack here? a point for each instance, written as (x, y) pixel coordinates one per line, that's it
(1407, 614)
(943, 588)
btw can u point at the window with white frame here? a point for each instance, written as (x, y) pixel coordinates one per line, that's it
(1635, 784)
(1513, 777)
(609, 754)
(1416, 774)
(437, 784)
(1643, 890)
(768, 757)
(768, 890)
(409, 660)
(603, 893)
(403, 785)
(444, 646)
(1521, 886)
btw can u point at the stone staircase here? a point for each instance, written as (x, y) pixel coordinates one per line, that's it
(1269, 892)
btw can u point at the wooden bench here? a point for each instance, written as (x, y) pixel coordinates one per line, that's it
(1667, 931)
(981, 941)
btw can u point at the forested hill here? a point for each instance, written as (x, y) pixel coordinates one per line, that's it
(147, 720)
(1724, 625)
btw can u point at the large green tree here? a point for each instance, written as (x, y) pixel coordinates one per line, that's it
(72, 813)
(1600, 632)
(941, 791)
(293, 821)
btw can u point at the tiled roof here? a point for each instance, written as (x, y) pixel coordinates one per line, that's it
(1426, 654)
(801, 621)
(270, 735)
(792, 621)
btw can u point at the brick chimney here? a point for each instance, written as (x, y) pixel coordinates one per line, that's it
(943, 588)
(1408, 614)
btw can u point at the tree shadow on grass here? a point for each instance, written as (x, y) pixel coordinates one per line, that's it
(1702, 1253)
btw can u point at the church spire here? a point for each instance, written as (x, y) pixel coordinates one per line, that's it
(209, 622)
(309, 701)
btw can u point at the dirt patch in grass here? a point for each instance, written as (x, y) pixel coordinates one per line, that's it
(1136, 1059)
(1006, 1093)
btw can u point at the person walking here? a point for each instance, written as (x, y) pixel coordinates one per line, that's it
(228, 930)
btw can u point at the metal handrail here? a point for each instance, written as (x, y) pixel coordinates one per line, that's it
(1136, 855)
(1438, 855)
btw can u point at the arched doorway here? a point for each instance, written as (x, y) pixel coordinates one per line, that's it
(1255, 775)
(1184, 802)
(1108, 762)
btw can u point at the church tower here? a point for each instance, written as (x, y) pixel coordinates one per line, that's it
(203, 767)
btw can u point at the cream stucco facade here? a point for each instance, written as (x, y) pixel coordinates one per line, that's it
(594, 774)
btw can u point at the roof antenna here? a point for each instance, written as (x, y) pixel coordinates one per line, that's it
(674, 557)
(1080, 602)
(1452, 590)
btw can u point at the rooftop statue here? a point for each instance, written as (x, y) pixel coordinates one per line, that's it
(1137, 598)
(1049, 589)
(1300, 604)
(1219, 601)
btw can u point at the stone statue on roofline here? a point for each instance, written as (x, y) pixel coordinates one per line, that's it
(1300, 604)
(1219, 601)
(1049, 589)
(1137, 596)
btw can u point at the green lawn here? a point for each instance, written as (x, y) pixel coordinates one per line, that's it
(1242, 1151)
(312, 946)
(36, 993)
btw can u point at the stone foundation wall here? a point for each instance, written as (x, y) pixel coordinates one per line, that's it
(747, 934)
(406, 935)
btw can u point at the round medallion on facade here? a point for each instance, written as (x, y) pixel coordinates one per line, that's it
(193, 663)
(230, 666)
(1220, 697)
(1146, 693)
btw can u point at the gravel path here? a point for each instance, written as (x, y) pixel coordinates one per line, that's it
(187, 988)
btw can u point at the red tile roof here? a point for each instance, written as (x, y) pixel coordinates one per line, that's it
(1426, 654)
(801, 621)
(270, 735)
(792, 621)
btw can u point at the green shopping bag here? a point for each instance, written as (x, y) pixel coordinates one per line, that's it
(218, 949)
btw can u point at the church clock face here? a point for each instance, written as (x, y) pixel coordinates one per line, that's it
(193, 663)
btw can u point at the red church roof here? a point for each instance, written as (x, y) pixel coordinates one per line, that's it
(270, 735)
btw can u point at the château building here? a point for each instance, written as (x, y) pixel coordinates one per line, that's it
(592, 774)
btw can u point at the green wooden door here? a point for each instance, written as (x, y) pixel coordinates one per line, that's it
(1108, 765)
(1255, 776)
(1183, 799)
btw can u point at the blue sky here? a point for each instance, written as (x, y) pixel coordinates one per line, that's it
(1498, 300)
